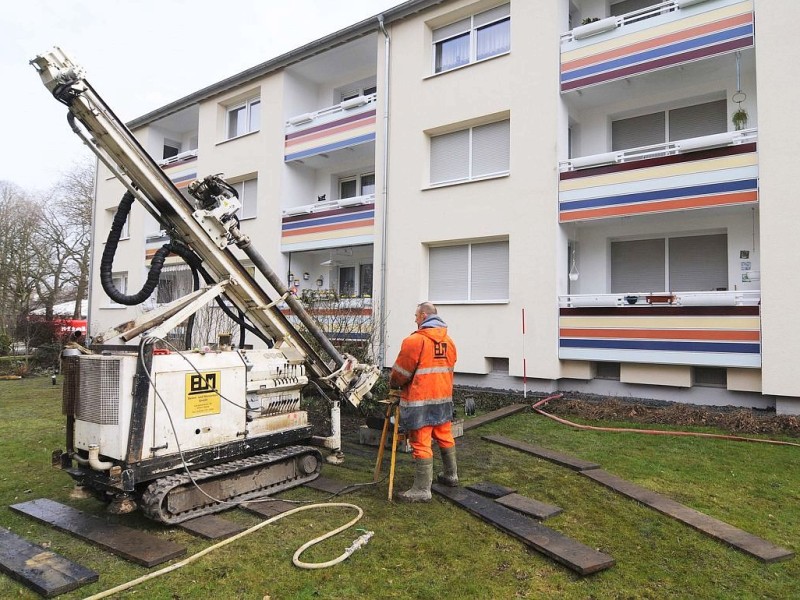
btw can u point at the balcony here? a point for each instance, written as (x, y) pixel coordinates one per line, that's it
(327, 224)
(665, 35)
(703, 172)
(180, 168)
(345, 125)
(715, 329)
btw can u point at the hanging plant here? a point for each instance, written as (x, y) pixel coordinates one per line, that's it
(739, 119)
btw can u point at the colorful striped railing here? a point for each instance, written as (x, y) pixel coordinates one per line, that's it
(699, 31)
(702, 179)
(718, 336)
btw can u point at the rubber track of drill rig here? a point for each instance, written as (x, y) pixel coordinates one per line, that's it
(155, 498)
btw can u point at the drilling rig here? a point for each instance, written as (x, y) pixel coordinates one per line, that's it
(179, 435)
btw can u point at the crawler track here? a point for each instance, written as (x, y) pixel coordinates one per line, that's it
(176, 498)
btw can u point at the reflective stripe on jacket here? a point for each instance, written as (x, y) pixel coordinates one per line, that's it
(424, 371)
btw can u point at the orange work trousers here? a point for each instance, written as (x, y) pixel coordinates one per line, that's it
(420, 439)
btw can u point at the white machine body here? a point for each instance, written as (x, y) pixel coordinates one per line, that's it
(198, 400)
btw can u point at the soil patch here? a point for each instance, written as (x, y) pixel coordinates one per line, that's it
(592, 407)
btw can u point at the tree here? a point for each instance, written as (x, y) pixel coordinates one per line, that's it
(64, 239)
(20, 258)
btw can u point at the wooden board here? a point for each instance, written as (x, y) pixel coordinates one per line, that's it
(493, 416)
(529, 506)
(326, 484)
(268, 509)
(565, 460)
(746, 542)
(492, 490)
(137, 546)
(47, 573)
(212, 527)
(569, 552)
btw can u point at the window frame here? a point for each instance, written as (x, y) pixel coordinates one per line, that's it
(359, 181)
(470, 30)
(125, 233)
(470, 273)
(249, 125)
(470, 156)
(670, 274)
(118, 277)
(244, 198)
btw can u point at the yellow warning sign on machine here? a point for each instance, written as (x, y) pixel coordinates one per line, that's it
(202, 394)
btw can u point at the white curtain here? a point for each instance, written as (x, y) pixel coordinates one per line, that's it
(494, 39)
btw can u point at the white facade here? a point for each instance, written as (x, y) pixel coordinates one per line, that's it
(569, 170)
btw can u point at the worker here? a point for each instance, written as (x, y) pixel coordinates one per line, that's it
(424, 373)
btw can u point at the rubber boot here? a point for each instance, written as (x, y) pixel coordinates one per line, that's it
(450, 475)
(423, 477)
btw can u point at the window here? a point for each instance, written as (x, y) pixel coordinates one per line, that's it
(124, 234)
(174, 282)
(676, 264)
(244, 118)
(671, 125)
(357, 185)
(347, 281)
(476, 272)
(120, 283)
(710, 377)
(248, 196)
(171, 148)
(473, 153)
(365, 280)
(351, 93)
(472, 39)
(607, 370)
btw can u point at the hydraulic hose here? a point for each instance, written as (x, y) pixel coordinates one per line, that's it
(734, 438)
(361, 541)
(110, 250)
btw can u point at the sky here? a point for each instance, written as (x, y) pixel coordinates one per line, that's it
(138, 55)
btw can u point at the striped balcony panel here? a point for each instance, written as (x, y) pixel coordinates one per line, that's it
(348, 226)
(703, 179)
(727, 336)
(705, 30)
(344, 324)
(342, 133)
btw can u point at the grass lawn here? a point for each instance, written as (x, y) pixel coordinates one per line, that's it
(438, 550)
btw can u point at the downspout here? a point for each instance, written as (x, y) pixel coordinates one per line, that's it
(385, 213)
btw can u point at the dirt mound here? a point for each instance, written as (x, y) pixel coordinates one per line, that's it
(642, 411)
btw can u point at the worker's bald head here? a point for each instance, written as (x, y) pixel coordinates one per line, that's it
(426, 308)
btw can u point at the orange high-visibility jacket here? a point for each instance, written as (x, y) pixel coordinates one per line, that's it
(424, 371)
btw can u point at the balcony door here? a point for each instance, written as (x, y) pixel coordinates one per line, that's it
(659, 127)
(676, 264)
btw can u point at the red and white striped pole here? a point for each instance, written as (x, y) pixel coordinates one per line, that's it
(524, 361)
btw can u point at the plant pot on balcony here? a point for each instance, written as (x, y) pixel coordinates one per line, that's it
(739, 119)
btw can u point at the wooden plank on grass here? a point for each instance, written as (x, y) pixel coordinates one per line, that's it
(268, 509)
(131, 544)
(493, 416)
(569, 552)
(212, 527)
(746, 542)
(529, 506)
(45, 572)
(565, 460)
(326, 484)
(492, 490)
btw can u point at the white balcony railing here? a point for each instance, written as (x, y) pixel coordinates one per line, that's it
(178, 158)
(330, 113)
(326, 205)
(727, 298)
(718, 140)
(610, 23)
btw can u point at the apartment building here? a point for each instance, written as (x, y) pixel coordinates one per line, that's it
(598, 195)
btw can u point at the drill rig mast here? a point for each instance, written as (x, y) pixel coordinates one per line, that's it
(184, 437)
